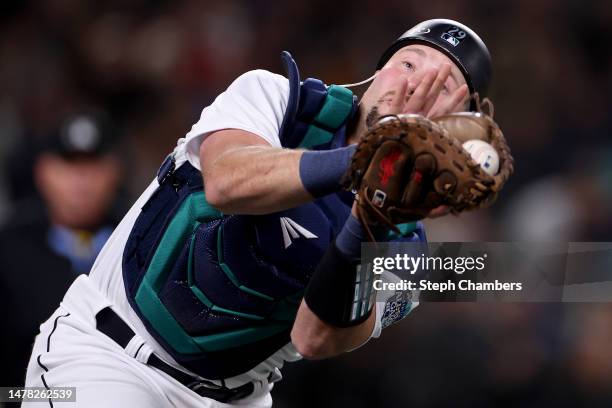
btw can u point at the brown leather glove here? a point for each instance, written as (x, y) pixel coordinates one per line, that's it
(407, 165)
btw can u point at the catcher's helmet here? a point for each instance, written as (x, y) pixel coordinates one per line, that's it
(458, 42)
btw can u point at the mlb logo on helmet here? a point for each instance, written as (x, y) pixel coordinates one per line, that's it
(460, 43)
(450, 39)
(453, 35)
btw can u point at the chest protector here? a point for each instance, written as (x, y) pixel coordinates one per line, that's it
(220, 292)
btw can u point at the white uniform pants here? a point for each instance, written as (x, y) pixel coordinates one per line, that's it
(70, 352)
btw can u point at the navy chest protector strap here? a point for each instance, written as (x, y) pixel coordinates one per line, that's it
(316, 114)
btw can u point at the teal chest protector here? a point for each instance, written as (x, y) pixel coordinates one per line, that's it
(220, 292)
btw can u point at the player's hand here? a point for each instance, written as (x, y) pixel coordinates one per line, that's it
(426, 95)
(456, 102)
(418, 94)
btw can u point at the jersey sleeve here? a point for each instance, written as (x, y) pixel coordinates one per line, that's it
(255, 102)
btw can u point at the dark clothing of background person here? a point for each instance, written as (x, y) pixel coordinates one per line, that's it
(56, 231)
(33, 280)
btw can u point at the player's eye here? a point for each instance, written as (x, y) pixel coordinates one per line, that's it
(408, 65)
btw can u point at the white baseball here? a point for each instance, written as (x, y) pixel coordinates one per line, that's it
(483, 154)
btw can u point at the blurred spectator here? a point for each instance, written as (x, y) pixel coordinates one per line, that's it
(48, 242)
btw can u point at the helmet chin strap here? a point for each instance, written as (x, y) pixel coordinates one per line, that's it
(365, 81)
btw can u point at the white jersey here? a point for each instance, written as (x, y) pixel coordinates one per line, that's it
(254, 102)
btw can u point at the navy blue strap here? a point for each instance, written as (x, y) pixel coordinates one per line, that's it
(315, 114)
(312, 99)
(293, 74)
(166, 169)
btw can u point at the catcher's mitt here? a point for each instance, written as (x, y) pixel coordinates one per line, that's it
(407, 165)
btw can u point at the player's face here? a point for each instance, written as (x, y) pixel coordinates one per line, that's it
(77, 192)
(417, 79)
(418, 59)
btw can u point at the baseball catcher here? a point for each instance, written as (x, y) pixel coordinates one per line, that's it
(244, 251)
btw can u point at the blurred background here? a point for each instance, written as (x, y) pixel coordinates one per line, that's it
(97, 93)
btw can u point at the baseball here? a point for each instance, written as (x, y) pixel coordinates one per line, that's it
(483, 154)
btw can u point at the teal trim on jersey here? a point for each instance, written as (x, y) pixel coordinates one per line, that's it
(335, 110)
(202, 297)
(230, 274)
(405, 230)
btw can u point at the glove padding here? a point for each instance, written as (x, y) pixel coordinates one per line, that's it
(407, 165)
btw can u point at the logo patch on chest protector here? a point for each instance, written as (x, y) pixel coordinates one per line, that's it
(292, 229)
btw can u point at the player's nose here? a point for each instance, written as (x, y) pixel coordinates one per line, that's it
(415, 77)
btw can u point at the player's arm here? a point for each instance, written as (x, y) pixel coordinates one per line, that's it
(243, 174)
(315, 339)
(337, 313)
